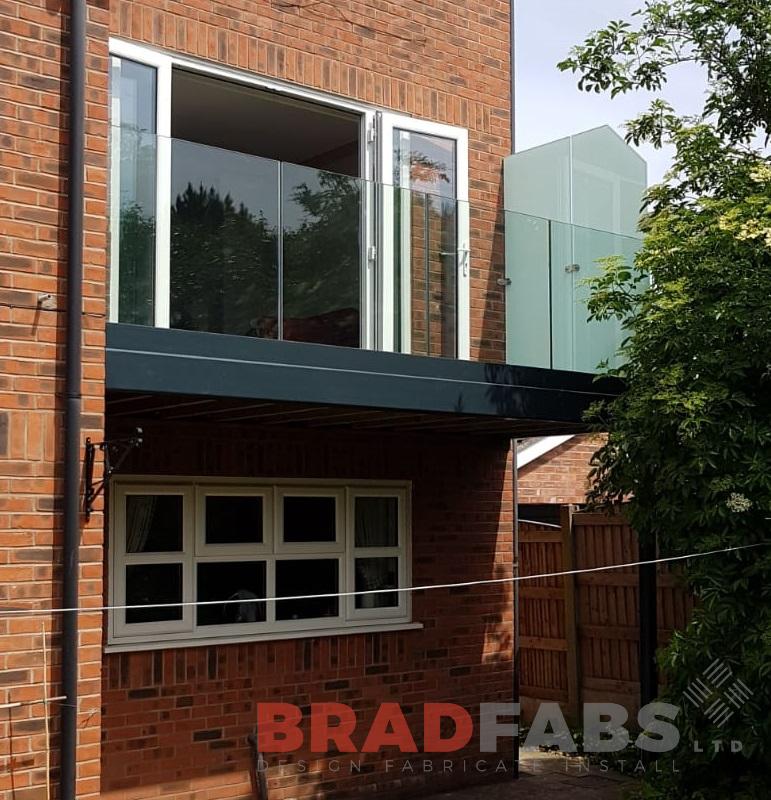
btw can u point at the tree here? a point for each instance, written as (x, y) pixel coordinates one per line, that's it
(689, 442)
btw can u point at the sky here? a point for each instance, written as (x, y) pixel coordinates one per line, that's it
(548, 103)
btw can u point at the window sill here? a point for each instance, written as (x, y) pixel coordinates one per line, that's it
(275, 636)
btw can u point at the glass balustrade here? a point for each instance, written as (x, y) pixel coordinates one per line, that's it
(547, 319)
(207, 239)
(226, 242)
(133, 225)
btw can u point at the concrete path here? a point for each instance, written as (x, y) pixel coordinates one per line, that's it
(546, 776)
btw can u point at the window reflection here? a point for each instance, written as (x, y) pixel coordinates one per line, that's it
(153, 585)
(425, 163)
(239, 584)
(224, 246)
(321, 214)
(426, 242)
(303, 577)
(133, 88)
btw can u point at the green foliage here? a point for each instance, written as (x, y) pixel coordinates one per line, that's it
(321, 254)
(730, 39)
(689, 442)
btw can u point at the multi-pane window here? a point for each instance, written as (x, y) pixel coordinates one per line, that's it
(206, 560)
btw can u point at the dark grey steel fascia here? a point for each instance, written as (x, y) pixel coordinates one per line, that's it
(154, 360)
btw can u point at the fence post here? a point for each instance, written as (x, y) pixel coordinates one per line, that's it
(516, 655)
(648, 621)
(571, 619)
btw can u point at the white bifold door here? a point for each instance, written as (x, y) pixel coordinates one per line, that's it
(424, 237)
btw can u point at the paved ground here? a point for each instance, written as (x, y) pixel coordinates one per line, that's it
(545, 776)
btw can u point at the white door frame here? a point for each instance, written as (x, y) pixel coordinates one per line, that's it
(369, 212)
(390, 339)
(162, 63)
(114, 270)
(377, 201)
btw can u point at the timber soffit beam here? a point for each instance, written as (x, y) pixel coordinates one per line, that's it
(162, 361)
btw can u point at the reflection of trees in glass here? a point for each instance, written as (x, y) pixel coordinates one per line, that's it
(224, 261)
(136, 258)
(322, 259)
(136, 235)
(428, 172)
(223, 266)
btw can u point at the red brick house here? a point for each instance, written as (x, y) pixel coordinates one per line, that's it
(553, 471)
(269, 235)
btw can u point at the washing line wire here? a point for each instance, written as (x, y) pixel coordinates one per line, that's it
(364, 592)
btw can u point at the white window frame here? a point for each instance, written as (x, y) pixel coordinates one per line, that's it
(313, 623)
(238, 552)
(376, 165)
(240, 629)
(295, 548)
(121, 560)
(114, 271)
(176, 633)
(202, 548)
(402, 550)
(162, 63)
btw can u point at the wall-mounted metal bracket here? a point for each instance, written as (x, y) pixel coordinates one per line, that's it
(115, 453)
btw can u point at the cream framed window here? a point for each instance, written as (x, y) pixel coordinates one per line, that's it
(229, 551)
(378, 552)
(310, 519)
(152, 559)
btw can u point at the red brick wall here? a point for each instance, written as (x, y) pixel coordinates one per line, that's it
(439, 60)
(561, 475)
(33, 141)
(176, 721)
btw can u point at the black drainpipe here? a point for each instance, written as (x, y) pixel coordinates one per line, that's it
(72, 381)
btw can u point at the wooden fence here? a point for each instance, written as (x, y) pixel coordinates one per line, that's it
(579, 635)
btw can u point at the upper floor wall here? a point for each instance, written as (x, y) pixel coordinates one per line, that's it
(438, 62)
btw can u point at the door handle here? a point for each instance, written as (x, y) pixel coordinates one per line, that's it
(463, 257)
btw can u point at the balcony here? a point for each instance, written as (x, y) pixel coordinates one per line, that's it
(570, 202)
(547, 267)
(250, 246)
(321, 288)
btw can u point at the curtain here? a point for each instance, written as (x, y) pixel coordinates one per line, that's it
(376, 520)
(140, 510)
